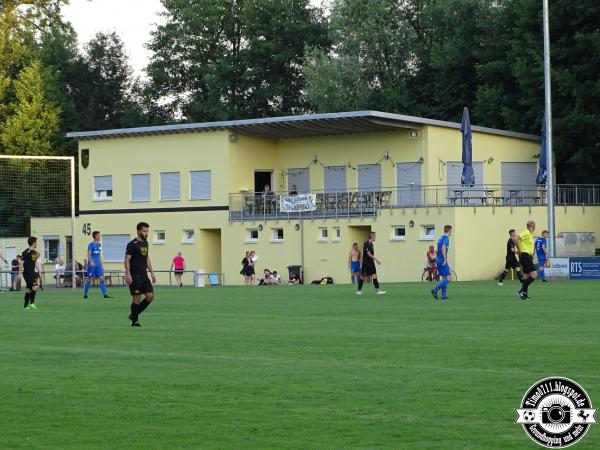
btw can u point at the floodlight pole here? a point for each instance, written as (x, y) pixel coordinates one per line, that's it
(548, 118)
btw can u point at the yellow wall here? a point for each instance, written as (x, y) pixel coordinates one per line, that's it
(169, 153)
(445, 145)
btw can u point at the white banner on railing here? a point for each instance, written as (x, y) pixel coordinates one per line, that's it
(298, 203)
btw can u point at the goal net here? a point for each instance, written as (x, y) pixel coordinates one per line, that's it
(37, 198)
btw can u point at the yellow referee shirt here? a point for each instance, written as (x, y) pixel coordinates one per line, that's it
(526, 242)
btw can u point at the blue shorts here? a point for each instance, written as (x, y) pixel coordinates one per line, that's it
(444, 270)
(355, 267)
(542, 262)
(96, 271)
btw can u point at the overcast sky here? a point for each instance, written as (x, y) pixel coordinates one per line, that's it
(131, 19)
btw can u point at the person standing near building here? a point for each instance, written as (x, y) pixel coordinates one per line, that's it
(16, 271)
(30, 263)
(179, 265)
(95, 269)
(137, 264)
(526, 248)
(443, 266)
(368, 269)
(354, 262)
(511, 258)
(541, 251)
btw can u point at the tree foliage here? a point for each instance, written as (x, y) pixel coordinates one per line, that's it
(226, 59)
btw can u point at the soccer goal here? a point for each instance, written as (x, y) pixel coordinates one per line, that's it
(37, 198)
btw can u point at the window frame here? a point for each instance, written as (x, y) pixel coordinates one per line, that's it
(96, 197)
(186, 239)
(160, 186)
(191, 196)
(337, 234)
(47, 240)
(395, 237)
(323, 237)
(131, 200)
(249, 238)
(424, 235)
(160, 241)
(275, 235)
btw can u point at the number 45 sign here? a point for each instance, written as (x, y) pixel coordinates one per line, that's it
(87, 229)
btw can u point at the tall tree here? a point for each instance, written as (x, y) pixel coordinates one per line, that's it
(228, 59)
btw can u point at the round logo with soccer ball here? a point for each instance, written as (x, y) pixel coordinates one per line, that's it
(556, 412)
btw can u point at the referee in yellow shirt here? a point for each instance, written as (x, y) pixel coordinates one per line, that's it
(526, 244)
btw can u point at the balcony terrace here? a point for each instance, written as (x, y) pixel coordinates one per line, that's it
(252, 206)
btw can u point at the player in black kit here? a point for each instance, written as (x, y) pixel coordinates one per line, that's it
(137, 264)
(30, 261)
(511, 258)
(368, 269)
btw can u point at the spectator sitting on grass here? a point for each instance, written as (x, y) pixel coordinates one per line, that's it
(266, 279)
(275, 278)
(294, 279)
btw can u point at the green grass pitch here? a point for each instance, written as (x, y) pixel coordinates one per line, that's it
(291, 367)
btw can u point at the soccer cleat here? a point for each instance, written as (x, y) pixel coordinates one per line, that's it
(135, 324)
(500, 283)
(378, 292)
(444, 298)
(544, 281)
(358, 292)
(434, 293)
(85, 296)
(32, 306)
(108, 296)
(180, 284)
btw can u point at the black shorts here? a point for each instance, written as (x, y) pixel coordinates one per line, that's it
(511, 263)
(527, 263)
(30, 280)
(179, 272)
(140, 285)
(368, 270)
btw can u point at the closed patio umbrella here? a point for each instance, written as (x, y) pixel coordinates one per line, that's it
(468, 175)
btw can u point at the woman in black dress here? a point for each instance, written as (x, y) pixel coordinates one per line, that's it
(246, 272)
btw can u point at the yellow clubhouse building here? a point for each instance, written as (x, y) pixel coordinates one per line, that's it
(201, 187)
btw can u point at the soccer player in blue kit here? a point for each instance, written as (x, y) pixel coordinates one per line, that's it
(442, 263)
(95, 269)
(541, 245)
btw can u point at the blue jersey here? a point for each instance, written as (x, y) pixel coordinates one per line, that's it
(95, 252)
(539, 250)
(444, 240)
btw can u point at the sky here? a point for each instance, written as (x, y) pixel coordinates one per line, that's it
(133, 20)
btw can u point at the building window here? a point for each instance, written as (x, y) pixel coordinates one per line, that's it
(428, 232)
(113, 247)
(160, 237)
(140, 188)
(323, 234)
(51, 249)
(200, 185)
(399, 233)
(170, 183)
(252, 235)
(277, 235)
(337, 234)
(103, 189)
(189, 236)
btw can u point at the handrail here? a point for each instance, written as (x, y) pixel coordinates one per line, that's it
(368, 202)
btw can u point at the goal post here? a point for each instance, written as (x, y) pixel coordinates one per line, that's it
(37, 198)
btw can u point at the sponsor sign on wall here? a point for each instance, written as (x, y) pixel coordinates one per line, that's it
(584, 268)
(559, 267)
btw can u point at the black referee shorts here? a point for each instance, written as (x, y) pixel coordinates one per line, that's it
(527, 263)
(140, 284)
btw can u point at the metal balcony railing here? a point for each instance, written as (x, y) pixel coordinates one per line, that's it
(368, 203)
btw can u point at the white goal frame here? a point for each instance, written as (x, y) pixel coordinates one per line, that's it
(71, 159)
